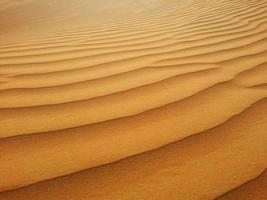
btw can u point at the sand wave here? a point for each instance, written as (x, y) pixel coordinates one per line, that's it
(87, 87)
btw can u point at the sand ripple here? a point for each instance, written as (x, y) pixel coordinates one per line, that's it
(152, 100)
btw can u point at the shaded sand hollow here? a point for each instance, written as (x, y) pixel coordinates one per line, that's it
(133, 100)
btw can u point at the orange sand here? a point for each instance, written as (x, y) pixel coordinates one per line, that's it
(151, 99)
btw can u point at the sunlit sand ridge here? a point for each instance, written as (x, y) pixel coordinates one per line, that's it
(173, 91)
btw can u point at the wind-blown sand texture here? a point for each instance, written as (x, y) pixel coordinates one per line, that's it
(133, 100)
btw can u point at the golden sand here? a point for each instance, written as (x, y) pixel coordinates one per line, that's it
(133, 100)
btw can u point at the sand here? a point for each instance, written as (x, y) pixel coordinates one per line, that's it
(133, 100)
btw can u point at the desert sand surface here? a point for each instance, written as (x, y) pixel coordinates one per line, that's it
(133, 100)
(255, 189)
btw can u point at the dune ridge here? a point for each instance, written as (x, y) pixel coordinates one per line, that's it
(161, 170)
(254, 189)
(85, 84)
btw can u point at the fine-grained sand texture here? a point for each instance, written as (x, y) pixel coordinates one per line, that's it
(133, 100)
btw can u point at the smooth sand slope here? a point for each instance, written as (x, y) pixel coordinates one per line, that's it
(84, 84)
(255, 189)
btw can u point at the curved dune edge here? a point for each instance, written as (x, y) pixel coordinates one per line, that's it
(109, 107)
(106, 87)
(254, 189)
(187, 169)
(107, 142)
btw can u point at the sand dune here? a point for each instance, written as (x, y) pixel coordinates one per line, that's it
(255, 189)
(173, 92)
(200, 167)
